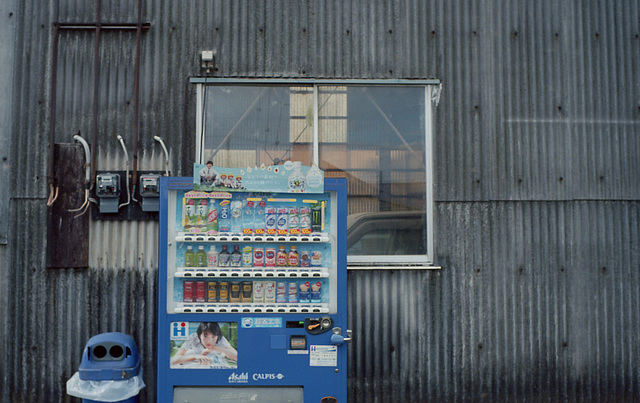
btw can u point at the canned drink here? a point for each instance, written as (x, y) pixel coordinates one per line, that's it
(223, 291)
(201, 291)
(235, 291)
(258, 291)
(304, 258)
(293, 292)
(281, 292)
(294, 221)
(270, 257)
(282, 223)
(270, 220)
(212, 291)
(269, 291)
(247, 256)
(316, 218)
(188, 291)
(247, 291)
(258, 257)
(305, 220)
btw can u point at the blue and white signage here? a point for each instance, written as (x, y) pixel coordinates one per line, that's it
(291, 177)
(259, 322)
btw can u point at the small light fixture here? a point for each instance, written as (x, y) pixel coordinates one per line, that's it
(207, 60)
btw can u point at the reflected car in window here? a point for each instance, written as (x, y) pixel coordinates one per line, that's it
(386, 233)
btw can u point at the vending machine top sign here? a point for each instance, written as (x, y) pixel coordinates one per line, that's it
(291, 177)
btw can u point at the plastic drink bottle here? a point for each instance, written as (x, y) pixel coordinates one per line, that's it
(224, 217)
(294, 221)
(316, 292)
(304, 295)
(247, 256)
(281, 292)
(259, 219)
(187, 291)
(236, 256)
(305, 220)
(202, 212)
(188, 213)
(189, 257)
(212, 257)
(293, 292)
(282, 220)
(212, 217)
(281, 256)
(293, 258)
(201, 257)
(270, 257)
(248, 218)
(224, 257)
(297, 181)
(236, 217)
(270, 220)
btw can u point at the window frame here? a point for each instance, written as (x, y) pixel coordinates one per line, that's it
(432, 89)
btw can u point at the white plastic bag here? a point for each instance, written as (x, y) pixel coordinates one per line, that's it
(106, 391)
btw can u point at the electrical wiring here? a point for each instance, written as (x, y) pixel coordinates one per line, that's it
(126, 155)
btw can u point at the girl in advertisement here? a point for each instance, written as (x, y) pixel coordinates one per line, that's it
(205, 347)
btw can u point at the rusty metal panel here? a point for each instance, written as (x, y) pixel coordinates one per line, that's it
(68, 223)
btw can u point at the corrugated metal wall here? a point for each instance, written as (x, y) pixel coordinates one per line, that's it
(536, 187)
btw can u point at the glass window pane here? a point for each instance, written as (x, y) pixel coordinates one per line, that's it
(375, 136)
(253, 125)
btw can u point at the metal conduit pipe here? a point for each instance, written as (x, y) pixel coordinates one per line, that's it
(52, 180)
(87, 158)
(166, 154)
(96, 72)
(136, 101)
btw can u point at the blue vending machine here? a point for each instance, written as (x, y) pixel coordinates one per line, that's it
(252, 292)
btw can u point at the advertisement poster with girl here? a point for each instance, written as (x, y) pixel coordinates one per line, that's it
(290, 177)
(204, 345)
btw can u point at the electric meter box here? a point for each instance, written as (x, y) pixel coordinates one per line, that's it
(108, 185)
(108, 191)
(150, 192)
(252, 292)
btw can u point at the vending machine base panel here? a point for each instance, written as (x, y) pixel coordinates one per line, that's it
(237, 394)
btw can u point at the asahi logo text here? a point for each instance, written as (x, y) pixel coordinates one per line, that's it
(242, 378)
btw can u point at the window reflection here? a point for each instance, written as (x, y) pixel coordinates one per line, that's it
(372, 135)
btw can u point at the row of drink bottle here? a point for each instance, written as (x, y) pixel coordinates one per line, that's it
(252, 257)
(250, 217)
(253, 291)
